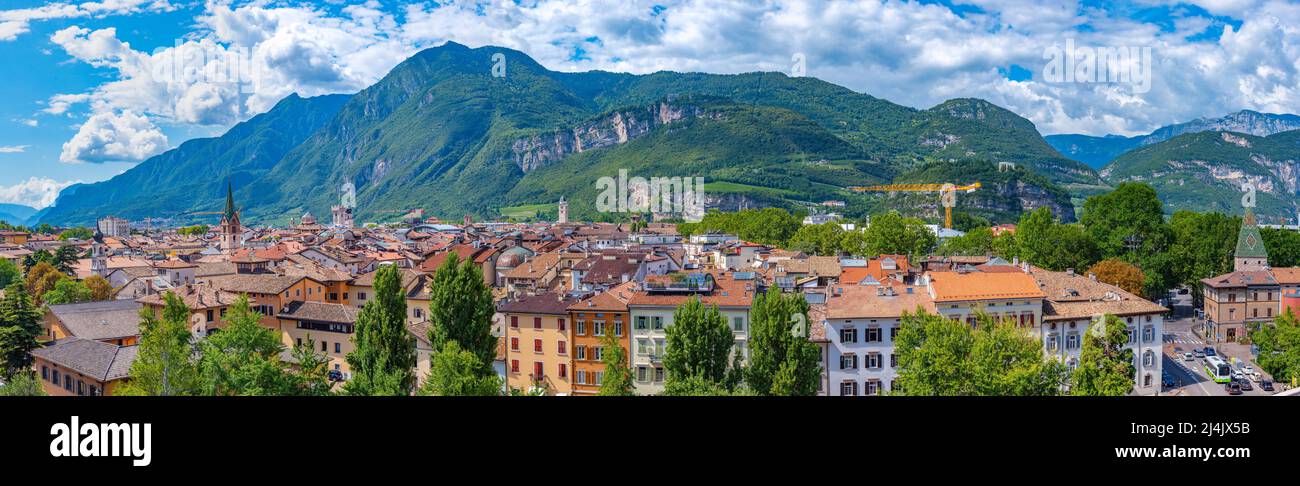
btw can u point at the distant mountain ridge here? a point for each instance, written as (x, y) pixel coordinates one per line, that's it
(16, 214)
(1099, 151)
(1205, 171)
(442, 133)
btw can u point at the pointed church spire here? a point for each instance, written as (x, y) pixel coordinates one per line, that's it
(230, 201)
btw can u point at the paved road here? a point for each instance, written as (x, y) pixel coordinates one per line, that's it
(1189, 376)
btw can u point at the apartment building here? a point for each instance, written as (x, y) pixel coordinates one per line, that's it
(1074, 302)
(539, 341)
(860, 325)
(651, 309)
(594, 318)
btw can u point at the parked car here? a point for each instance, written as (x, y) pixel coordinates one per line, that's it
(1266, 385)
(1166, 380)
(1232, 388)
(335, 375)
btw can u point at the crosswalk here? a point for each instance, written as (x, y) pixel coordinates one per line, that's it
(1180, 338)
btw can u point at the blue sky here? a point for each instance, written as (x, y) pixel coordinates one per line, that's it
(84, 102)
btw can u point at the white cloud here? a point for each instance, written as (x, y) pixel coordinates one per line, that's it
(34, 192)
(13, 149)
(109, 137)
(907, 52)
(15, 22)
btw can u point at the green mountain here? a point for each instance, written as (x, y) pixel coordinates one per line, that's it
(16, 214)
(442, 133)
(1205, 171)
(192, 176)
(1099, 151)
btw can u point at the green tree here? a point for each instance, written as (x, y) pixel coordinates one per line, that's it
(1283, 246)
(817, 239)
(699, 386)
(938, 356)
(1129, 223)
(165, 363)
(78, 233)
(65, 258)
(1105, 365)
(19, 327)
(22, 384)
(67, 291)
(699, 343)
(976, 242)
(9, 273)
(1279, 347)
(782, 361)
(312, 377)
(617, 377)
(1203, 245)
(890, 233)
(383, 359)
(243, 358)
(457, 372)
(1044, 242)
(460, 310)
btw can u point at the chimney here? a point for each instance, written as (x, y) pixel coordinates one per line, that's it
(1092, 276)
(1069, 271)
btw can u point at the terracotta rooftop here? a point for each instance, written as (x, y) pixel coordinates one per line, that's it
(957, 286)
(865, 301)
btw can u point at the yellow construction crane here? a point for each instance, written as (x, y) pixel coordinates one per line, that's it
(947, 194)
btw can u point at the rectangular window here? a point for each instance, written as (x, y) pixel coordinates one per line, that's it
(580, 352)
(580, 377)
(338, 347)
(537, 323)
(657, 323)
(561, 324)
(514, 321)
(514, 344)
(848, 335)
(873, 335)
(598, 328)
(598, 353)
(537, 371)
(322, 346)
(873, 361)
(537, 345)
(514, 366)
(738, 324)
(659, 375)
(580, 328)
(849, 388)
(641, 323)
(641, 373)
(848, 361)
(562, 348)
(618, 328)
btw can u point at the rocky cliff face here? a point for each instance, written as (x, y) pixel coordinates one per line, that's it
(1245, 121)
(616, 128)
